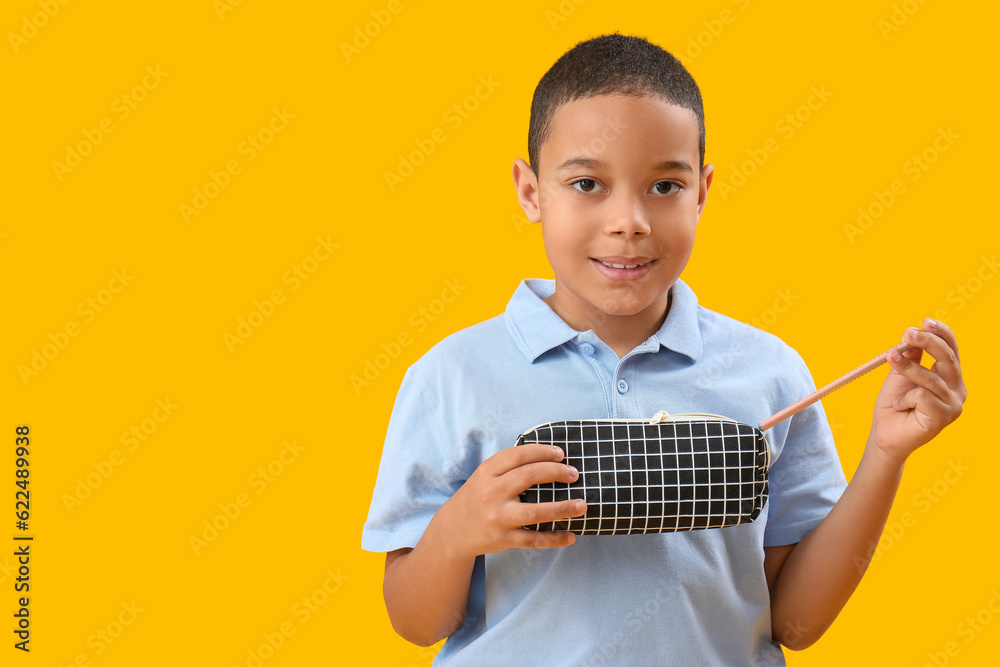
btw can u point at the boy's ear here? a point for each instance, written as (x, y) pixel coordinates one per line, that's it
(526, 185)
(707, 172)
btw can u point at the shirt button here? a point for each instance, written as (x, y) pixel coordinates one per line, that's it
(587, 349)
(622, 386)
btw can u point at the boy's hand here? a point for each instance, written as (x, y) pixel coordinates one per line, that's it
(811, 581)
(916, 403)
(486, 515)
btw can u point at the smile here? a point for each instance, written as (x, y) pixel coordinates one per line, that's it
(621, 266)
(623, 270)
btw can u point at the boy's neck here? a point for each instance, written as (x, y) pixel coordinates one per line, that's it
(621, 333)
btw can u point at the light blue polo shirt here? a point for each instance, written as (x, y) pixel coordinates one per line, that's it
(688, 598)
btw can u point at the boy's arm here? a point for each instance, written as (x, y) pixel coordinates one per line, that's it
(426, 588)
(811, 581)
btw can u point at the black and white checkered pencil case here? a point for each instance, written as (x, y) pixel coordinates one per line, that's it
(669, 473)
(665, 474)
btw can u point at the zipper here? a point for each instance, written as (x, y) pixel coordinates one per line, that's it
(658, 418)
(664, 416)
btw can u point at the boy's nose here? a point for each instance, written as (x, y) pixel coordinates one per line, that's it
(628, 217)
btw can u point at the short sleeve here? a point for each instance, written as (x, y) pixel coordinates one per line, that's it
(418, 471)
(805, 479)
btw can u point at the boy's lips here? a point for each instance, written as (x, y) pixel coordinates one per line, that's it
(622, 268)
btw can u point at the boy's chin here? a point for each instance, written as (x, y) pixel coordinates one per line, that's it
(632, 307)
(621, 300)
(628, 312)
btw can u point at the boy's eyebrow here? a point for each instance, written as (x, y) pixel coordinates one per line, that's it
(590, 163)
(673, 165)
(593, 163)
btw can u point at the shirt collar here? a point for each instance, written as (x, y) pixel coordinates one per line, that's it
(536, 328)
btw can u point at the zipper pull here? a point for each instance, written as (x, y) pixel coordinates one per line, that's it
(660, 416)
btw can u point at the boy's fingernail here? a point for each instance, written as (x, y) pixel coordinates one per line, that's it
(931, 324)
(894, 354)
(572, 471)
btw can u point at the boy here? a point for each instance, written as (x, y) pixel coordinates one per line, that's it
(618, 181)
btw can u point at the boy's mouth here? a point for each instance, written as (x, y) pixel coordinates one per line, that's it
(623, 268)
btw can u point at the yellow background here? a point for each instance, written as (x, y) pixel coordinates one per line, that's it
(774, 251)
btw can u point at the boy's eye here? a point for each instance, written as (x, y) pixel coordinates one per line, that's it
(664, 188)
(586, 185)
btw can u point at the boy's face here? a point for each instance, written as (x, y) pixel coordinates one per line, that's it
(618, 184)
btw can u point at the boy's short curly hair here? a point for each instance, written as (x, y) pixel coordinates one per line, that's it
(612, 64)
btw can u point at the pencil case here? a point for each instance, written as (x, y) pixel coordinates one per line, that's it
(666, 474)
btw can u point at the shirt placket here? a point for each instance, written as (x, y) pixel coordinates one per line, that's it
(617, 376)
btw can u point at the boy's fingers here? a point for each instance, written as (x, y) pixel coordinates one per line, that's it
(536, 539)
(914, 354)
(524, 477)
(944, 332)
(923, 377)
(528, 514)
(947, 365)
(513, 457)
(928, 403)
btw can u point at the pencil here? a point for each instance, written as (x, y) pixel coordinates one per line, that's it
(836, 384)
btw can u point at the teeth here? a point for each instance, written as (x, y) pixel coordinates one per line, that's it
(621, 266)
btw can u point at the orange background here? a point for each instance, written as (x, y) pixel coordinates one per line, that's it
(302, 266)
